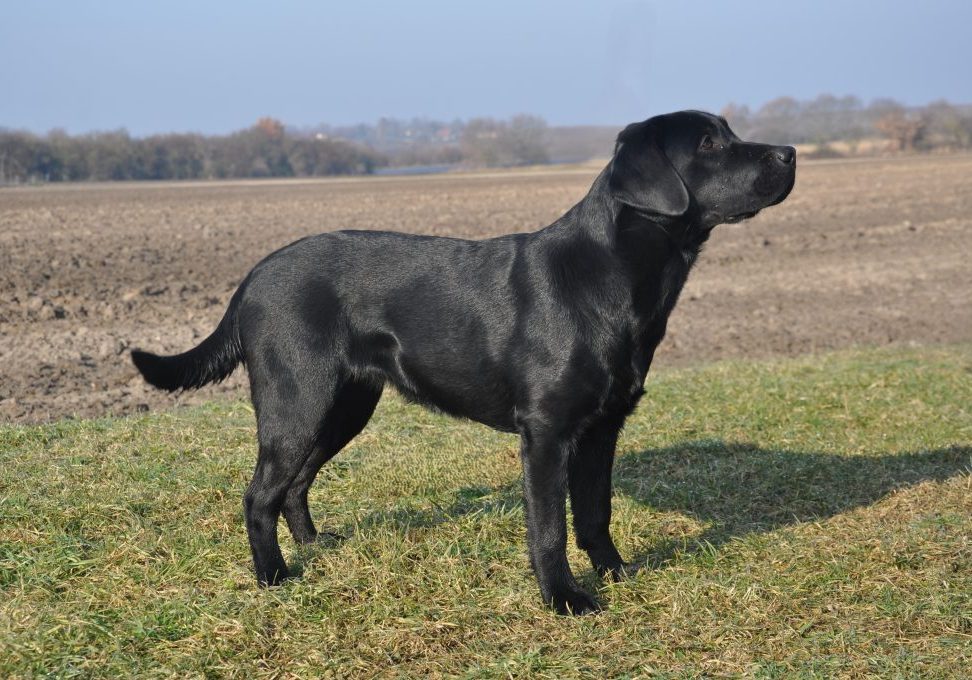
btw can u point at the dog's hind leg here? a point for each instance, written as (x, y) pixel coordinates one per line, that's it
(283, 451)
(289, 393)
(350, 412)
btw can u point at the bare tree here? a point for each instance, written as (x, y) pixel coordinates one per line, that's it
(903, 130)
(525, 140)
(480, 142)
(776, 121)
(948, 126)
(521, 141)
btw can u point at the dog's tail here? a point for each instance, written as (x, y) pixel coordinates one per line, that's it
(211, 361)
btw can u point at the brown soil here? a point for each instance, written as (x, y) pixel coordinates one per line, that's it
(863, 253)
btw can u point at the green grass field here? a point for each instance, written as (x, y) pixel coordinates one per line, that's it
(806, 517)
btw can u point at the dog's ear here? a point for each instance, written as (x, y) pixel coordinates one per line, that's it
(643, 177)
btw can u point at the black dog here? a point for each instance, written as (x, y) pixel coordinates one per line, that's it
(547, 334)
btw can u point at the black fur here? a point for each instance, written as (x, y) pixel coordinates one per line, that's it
(547, 334)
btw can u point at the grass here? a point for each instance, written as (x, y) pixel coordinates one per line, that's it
(806, 517)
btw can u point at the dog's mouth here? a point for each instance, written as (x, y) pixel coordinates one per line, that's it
(786, 189)
(781, 194)
(732, 219)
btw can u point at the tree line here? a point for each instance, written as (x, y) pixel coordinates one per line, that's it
(828, 119)
(264, 150)
(479, 142)
(269, 149)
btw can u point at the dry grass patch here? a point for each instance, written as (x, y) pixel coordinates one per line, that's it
(807, 517)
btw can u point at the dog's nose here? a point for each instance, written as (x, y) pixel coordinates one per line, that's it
(786, 154)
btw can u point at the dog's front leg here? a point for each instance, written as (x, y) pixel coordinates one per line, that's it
(545, 494)
(590, 498)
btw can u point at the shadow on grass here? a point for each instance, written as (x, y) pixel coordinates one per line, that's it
(735, 489)
(738, 489)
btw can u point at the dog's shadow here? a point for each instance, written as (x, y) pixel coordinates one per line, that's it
(738, 489)
(732, 489)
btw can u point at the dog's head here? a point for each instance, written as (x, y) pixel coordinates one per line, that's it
(690, 165)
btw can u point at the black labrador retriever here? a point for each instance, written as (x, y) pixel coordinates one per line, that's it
(547, 334)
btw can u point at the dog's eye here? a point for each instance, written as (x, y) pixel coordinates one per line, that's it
(706, 143)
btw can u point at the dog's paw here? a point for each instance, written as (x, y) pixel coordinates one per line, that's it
(329, 539)
(619, 571)
(273, 576)
(573, 602)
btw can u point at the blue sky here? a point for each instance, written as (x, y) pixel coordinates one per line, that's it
(217, 66)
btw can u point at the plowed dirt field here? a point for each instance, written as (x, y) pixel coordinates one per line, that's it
(867, 252)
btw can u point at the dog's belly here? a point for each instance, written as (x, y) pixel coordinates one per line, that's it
(466, 383)
(477, 395)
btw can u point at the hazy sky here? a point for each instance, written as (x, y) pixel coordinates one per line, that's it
(216, 66)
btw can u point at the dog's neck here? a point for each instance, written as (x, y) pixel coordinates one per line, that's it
(653, 255)
(656, 260)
